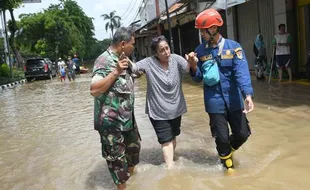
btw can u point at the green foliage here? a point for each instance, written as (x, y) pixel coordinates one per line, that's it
(9, 4)
(98, 48)
(5, 78)
(1, 50)
(4, 70)
(18, 73)
(61, 30)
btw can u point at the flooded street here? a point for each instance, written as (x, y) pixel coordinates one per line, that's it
(47, 141)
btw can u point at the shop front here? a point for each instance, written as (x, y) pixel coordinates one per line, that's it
(252, 18)
(303, 21)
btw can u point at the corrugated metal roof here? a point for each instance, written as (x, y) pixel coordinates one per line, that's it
(177, 8)
(173, 8)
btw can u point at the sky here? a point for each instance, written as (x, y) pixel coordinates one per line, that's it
(127, 9)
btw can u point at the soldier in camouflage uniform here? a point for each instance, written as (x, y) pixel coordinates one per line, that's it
(112, 87)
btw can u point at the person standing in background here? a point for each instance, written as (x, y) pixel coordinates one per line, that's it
(282, 43)
(76, 60)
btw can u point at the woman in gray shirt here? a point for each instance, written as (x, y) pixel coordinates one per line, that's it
(165, 103)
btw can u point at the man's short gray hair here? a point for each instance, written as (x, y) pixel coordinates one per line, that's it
(122, 34)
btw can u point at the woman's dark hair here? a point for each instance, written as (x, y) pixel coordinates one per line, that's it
(281, 25)
(156, 41)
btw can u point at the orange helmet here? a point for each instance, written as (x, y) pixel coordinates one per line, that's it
(208, 18)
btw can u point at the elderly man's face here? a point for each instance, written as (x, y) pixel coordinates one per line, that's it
(128, 47)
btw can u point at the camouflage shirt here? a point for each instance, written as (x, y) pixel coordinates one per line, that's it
(114, 108)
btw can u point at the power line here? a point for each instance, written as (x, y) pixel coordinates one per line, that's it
(128, 8)
(134, 17)
(161, 2)
(127, 18)
(137, 13)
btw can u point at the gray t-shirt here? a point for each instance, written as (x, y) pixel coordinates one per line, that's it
(164, 96)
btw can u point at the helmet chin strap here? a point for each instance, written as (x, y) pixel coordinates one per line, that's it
(211, 37)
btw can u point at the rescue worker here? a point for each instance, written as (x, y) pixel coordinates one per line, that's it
(230, 99)
(113, 89)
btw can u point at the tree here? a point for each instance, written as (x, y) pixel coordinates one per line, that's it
(98, 48)
(62, 29)
(10, 5)
(1, 50)
(83, 23)
(113, 21)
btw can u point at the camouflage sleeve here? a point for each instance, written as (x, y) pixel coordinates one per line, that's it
(102, 67)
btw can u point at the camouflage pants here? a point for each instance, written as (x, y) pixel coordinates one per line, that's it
(121, 149)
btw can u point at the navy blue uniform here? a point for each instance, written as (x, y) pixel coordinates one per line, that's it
(224, 102)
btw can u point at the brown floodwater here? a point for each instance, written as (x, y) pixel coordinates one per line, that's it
(47, 141)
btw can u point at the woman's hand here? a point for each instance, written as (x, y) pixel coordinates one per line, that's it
(192, 59)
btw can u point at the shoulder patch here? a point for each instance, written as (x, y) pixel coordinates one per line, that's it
(238, 49)
(238, 52)
(239, 55)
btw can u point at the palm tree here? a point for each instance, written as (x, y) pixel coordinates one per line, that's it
(113, 21)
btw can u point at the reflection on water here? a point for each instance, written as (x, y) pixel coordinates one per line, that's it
(47, 141)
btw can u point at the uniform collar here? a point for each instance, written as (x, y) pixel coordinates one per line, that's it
(113, 54)
(218, 42)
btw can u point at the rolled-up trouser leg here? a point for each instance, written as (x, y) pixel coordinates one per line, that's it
(132, 141)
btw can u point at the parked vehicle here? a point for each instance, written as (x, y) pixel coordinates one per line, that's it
(40, 68)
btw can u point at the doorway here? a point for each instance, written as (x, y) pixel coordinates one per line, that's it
(303, 11)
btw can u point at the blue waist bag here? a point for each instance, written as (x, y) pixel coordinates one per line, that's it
(210, 70)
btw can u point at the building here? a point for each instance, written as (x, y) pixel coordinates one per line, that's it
(244, 20)
(182, 16)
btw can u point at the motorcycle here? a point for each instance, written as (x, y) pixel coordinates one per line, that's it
(260, 68)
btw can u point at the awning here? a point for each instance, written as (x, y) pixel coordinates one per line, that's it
(174, 10)
(150, 28)
(147, 30)
(225, 4)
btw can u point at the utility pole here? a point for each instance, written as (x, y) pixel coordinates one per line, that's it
(157, 15)
(3, 35)
(6, 42)
(169, 27)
